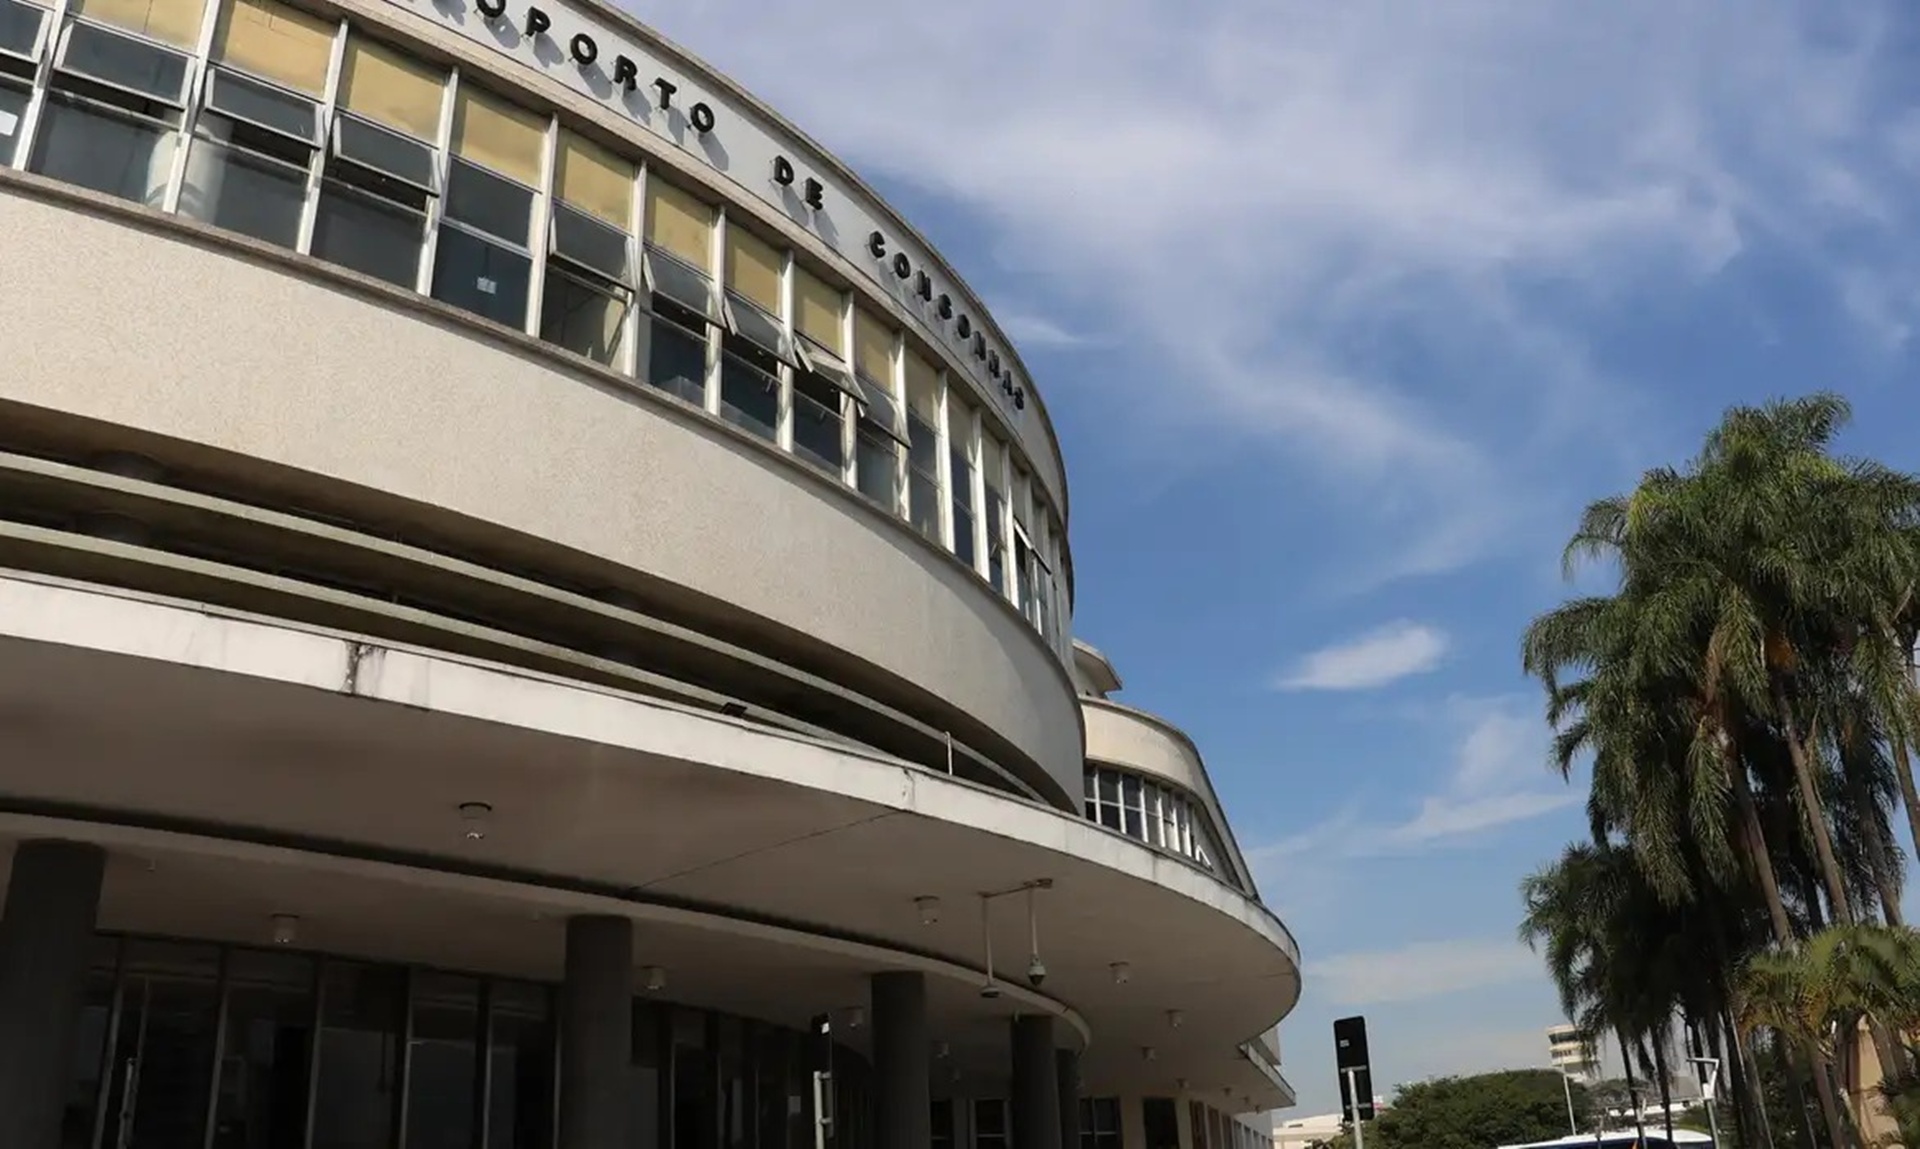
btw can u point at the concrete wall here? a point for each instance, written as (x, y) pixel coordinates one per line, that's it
(167, 329)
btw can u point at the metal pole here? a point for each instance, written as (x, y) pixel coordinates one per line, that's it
(1573, 1127)
(1353, 1093)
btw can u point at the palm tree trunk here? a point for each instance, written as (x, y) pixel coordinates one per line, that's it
(1633, 1092)
(1810, 802)
(1885, 879)
(1666, 1087)
(1756, 844)
(1909, 794)
(1749, 1103)
(1838, 1127)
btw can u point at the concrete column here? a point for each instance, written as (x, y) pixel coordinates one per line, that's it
(46, 939)
(1036, 1086)
(596, 1033)
(1068, 1068)
(902, 1062)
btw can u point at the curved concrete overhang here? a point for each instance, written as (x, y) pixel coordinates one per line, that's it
(1136, 740)
(215, 728)
(1095, 669)
(309, 386)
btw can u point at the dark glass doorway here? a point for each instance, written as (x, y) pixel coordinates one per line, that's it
(161, 1068)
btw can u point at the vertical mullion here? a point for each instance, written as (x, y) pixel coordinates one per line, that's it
(849, 407)
(789, 306)
(643, 328)
(716, 332)
(403, 1070)
(903, 407)
(314, 1046)
(190, 113)
(224, 990)
(443, 162)
(633, 331)
(537, 234)
(483, 1067)
(115, 1003)
(23, 144)
(943, 463)
(976, 466)
(317, 166)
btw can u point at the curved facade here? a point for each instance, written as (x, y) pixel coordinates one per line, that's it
(534, 610)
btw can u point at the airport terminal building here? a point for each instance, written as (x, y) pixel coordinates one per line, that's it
(535, 611)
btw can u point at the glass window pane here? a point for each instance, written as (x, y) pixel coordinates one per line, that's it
(816, 311)
(749, 392)
(370, 236)
(591, 243)
(923, 496)
(873, 348)
(123, 157)
(962, 530)
(753, 269)
(480, 276)
(877, 457)
(374, 147)
(261, 104)
(443, 1062)
(239, 192)
(361, 1047)
(759, 327)
(677, 357)
(683, 283)
(20, 27)
(125, 62)
(521, 1101)
(481, 199)
(817, 423)
(391, 89)
(262, 1099)
(498, 135)
(276, 42)
(163, 1060)
(586, 319)
(13, 105)
(695, 1094)
(679, 224)
(90, 1067)
(174, 22)
(594, 180)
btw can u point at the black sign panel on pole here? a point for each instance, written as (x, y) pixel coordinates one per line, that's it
(1350, 1058)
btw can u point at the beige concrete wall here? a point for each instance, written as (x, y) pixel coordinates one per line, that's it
(1139, 741)
(165, 330)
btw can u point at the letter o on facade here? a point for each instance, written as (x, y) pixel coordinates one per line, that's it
(901, 266)
(583, 50)
(491, 9)
(701, 117)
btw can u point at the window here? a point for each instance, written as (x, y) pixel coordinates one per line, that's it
(750, 390)
(175, 22)
(923, 446)
(993, 469)
(960, 460)
(818, 422)
(880, 432)
(1100, 1123)
(21, 29)
(677, 253)
(257, 137)
(942, 1122)
(590, 283)
(380, 165)
(990, 1124)
(755, 344)
(114, 106)
(1160, 1117)
(482, 262)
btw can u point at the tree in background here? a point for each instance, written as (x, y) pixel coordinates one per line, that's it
(1477, 1112)
(1746, 700)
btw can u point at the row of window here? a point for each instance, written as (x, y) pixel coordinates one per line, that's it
(1150, 812)
(280, 125)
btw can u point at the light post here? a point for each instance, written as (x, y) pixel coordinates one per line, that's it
(1566, 1083)
(1709, 1086)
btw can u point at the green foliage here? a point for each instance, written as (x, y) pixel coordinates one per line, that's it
(1476, 1112)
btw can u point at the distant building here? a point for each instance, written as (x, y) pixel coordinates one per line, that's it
(1574, 1052)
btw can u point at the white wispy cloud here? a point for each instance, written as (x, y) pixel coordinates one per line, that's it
(1380, 656)
(1285, 205)
(1419, 970)
(1496, 776)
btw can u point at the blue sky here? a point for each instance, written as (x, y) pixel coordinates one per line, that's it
(1342, 311)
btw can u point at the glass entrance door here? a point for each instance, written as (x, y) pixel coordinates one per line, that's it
(161, 1069)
